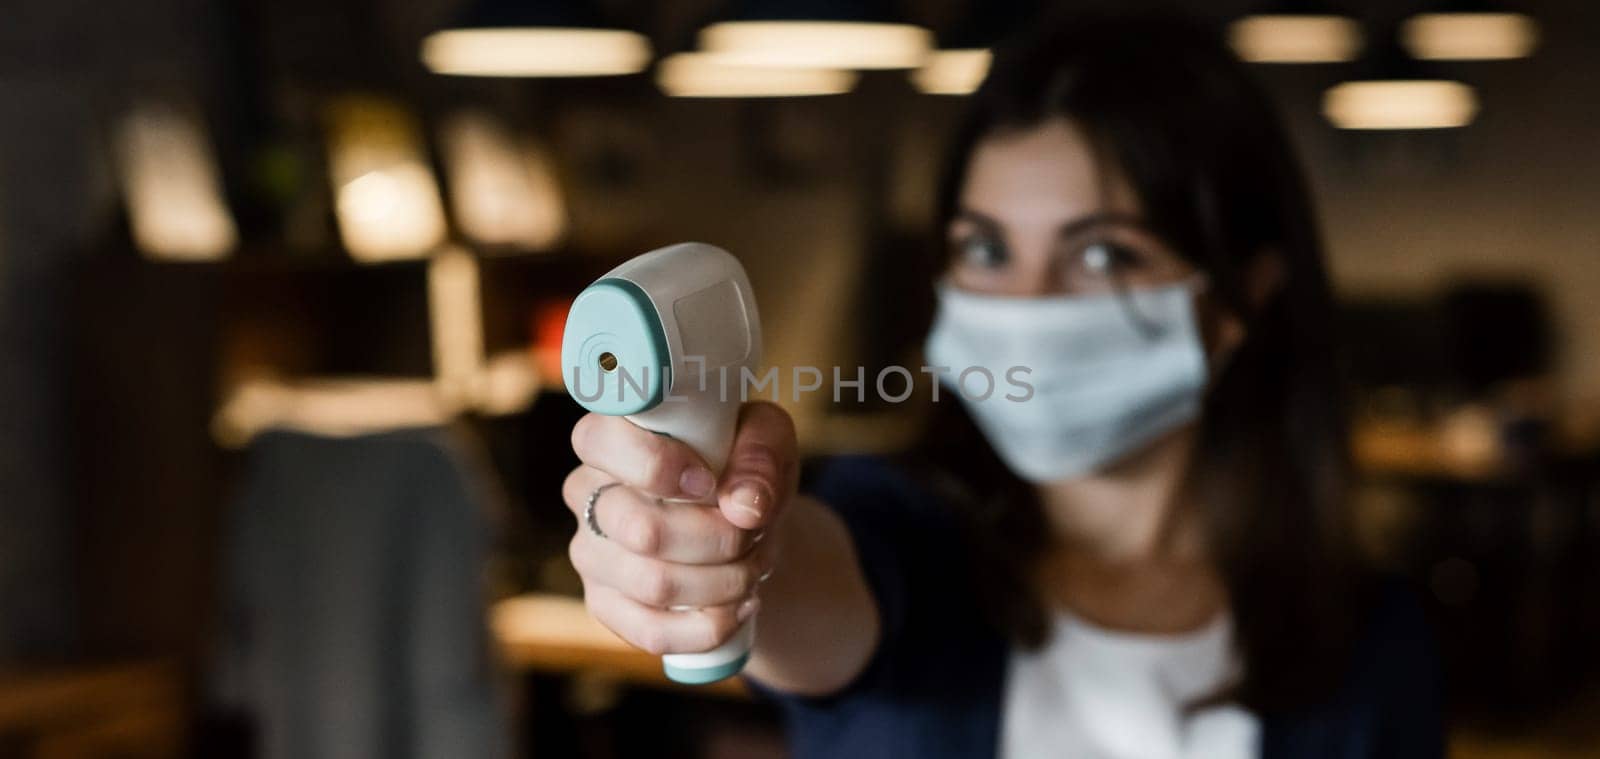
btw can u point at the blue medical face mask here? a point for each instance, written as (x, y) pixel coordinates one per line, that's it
(1109, 373)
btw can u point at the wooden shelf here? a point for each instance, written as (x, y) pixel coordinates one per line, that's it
(128, 710)
(552, 633)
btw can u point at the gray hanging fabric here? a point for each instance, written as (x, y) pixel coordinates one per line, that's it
(354, 613)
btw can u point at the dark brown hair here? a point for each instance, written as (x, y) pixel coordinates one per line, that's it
(1164, 102)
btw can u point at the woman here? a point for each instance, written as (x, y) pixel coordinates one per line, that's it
(1142, 554)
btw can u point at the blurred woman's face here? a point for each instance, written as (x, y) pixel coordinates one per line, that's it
(1038, 216)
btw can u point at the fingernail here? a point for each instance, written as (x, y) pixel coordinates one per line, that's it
(748, 608)
(748, 498)
(697, 481)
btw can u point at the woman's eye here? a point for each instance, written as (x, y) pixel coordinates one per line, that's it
(1109, 258)
(984, 251)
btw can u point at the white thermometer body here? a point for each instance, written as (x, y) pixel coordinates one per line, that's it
(665, 340)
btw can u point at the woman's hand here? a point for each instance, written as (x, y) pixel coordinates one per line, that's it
(660, 554)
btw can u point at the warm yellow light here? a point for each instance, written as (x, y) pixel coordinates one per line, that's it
(390, 213)
(335, 407)
(347, 406)
(1400, 104)
(1470, 36)
(553, 622)
(1295, 38)
(502, 192)
(535, 51)
(170, 184)
(463, 377)
(508, 383)
(952, 72)
(386, 199)
(818, 44)
(705, 75)
(455, 310)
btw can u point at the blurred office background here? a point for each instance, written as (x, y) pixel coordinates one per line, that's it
(281, 285)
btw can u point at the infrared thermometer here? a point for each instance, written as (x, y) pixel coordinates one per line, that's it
(665, 340)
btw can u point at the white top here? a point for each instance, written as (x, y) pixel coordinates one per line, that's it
(1093, 693)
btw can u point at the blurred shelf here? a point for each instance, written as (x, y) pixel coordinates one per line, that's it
(1466, 447)
(1394, 448)
(552, 633)
(126, 710)
(268, 256)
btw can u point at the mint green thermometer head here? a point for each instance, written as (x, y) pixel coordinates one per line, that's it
(614, 352)
(658, 327)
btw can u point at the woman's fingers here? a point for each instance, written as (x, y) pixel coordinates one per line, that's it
(656, 464)
(683, 533)
(763, 467)
(659, 631)
(674, 577)
(664, 584)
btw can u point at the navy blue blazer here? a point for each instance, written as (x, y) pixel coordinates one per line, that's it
(933, 689)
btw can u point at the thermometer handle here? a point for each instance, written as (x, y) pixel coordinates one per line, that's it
(706, 423)
(701, 419)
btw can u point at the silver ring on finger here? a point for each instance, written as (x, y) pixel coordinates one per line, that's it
(588, 509)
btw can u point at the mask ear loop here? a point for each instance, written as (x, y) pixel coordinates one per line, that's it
(1147, 328)
(1099, 259)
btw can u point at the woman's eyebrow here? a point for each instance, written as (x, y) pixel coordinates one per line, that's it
(987, 222)
(1069, 229)
(1099, 219)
